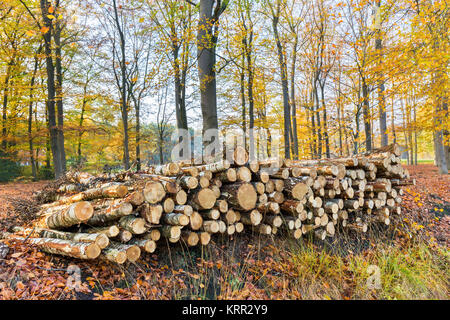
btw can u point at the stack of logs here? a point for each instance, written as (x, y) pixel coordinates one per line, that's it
(116, 217)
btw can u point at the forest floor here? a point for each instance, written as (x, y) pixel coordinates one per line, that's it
(407, 260)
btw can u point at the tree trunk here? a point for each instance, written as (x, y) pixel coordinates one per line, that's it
(284, 85)
(59, 94)
(51, 92)
(206, 53)
(380, 81)
(30, 114)
(248, 49)
(123, 89)
(293, 104)
(366, 113)
(325, 125)
(5, 105)
(244, 111)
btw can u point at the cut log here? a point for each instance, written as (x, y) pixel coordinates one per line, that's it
(110, 231)
(170, 169)
(203, 199)
(205, 238)
(114, 255)
(253, 217)
(68, 248)
(230, 217)
(98, 238)
(222, 226)
(171, 231)
(351, 204)
(188, 182)
(276, 196)
(259, 187)
(190, 238)
(264, 229)
(292, 207)
(212, 214)
(228, 175)
(279, 184)
(320, 234)
(282, 173)
(215, 166)
(112, 213)
(151, 212)
(124, 236)
(75, 214)
(273, 220)
(262, 176)
(133, 252)
(204, 182)
(210, 226)
(331, 207)
(295, 188)
(231, 229)
(180, 197)
(109, 191)
(221, 205)
(240, 195)
(262, 199)
(153, 234)
(133, 224)
(240, 156)
(253, 165)
(154, 192)
(175, 219)
(195, 221)
(135, 198)
(239, 226)
(145, 245)
(269, 186)
(216, 191)
(244, 174)
(168, 205)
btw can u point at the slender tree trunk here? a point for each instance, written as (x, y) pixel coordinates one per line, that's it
(248, 50)
(313, 127)
(138, 135)
(325, 125)
(319, 125)
(30, 115)
(206, 52)
(123, 87)
(381, 97)
(243, 106)
(59, 94)
(393, 123)
(5, 105)
(339, 115)
(366, 113)
(294, 107)
(51, 91)
(356, 135)
(415, 136)
(284, 85)
(80, 123)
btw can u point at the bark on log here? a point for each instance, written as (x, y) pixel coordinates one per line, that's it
(75, 214)
(68, 248)
(112, 213)
(133, 224)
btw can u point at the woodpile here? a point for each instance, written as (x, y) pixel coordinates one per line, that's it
(117, 217)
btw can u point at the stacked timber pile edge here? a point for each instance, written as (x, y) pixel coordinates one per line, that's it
(117, 217)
